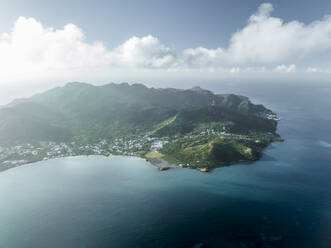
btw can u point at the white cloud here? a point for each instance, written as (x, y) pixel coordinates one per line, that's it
(313, 69)
(266, 40)
(285, 69)
(235, 69)
(143, 52)
(202, 57)
(31, 46)
(265, 44)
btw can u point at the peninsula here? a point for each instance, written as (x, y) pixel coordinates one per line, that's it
(192, 128)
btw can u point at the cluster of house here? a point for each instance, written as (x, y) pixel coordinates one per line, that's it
(207, 132)
(21, 154)
(132, 146)
(13, 156)
(272, 117)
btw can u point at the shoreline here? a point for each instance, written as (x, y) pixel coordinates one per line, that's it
(159, 163)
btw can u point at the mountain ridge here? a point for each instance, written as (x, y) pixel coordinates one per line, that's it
(84, 113)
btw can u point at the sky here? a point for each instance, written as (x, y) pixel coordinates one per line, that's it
(44, 44)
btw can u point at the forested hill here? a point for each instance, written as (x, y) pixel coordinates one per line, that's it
(86, 112)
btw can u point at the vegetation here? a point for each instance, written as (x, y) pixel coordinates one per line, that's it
(209, 151)
(194, 127)
(154, 154)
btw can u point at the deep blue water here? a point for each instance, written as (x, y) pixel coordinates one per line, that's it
(283, 200)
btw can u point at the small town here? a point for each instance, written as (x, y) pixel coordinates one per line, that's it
(26, 153)
(17, 155)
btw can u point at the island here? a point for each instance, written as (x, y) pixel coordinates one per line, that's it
(192, 128)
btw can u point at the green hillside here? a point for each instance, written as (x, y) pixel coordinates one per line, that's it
(85, 114)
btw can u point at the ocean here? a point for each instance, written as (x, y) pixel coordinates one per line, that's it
(283, 200)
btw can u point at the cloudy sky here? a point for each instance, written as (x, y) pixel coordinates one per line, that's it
(160, 43)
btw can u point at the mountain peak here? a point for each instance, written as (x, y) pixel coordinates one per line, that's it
(197, 88)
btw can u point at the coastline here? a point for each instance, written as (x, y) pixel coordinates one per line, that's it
(158, 162)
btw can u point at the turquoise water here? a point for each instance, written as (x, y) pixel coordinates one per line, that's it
(283, 200)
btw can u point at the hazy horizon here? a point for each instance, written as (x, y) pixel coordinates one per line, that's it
(161, 45)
